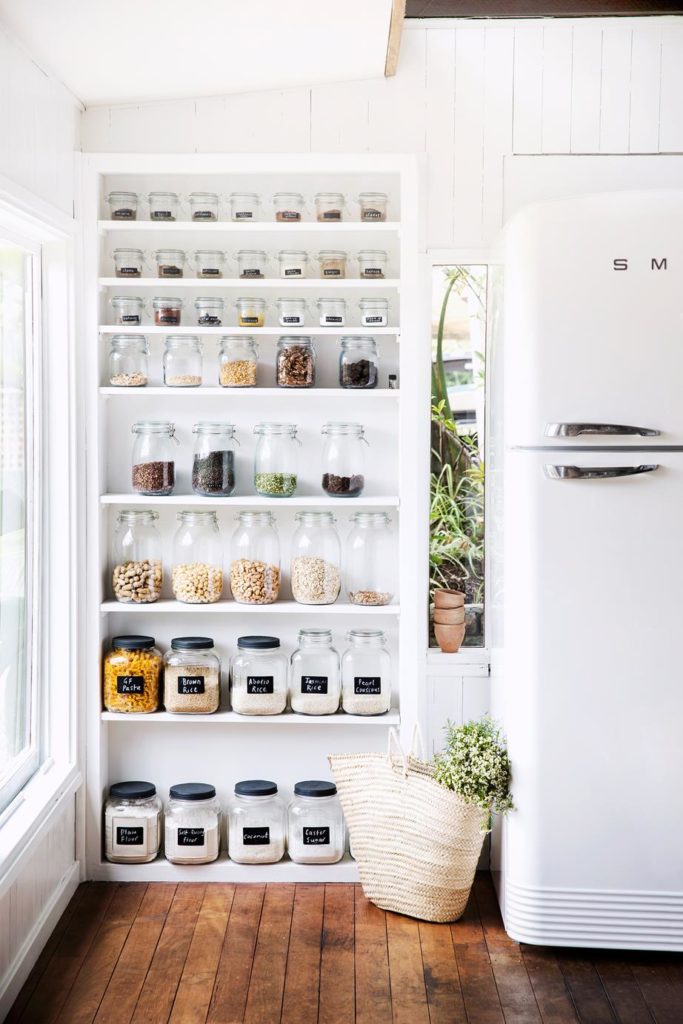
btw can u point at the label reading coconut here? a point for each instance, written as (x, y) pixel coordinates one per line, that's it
(293, 271)
(319, 836)
(191, 837)
(190, 684)
(260, 684)
(130, 684)
(367, 685)
(127, 835)
(314, 684)
(256, 836)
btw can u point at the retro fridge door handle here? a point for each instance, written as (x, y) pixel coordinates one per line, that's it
(595, 472)
(576, 429)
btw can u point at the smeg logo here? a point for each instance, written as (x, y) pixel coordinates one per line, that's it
(655, 264)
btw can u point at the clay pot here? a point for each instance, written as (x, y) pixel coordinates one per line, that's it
(449, 599)
(449, 638)
(449, 616)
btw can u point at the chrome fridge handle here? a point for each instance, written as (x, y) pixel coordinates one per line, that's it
(575, 429)
(595, 472)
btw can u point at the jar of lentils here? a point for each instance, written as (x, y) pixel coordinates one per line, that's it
(258, 677)
(213, 462)
(257, 823)
(137, 574)
(132, 823)
(132, 673)
(255, 559)
(128, 361)
(238, 361)
(314, 674)
(192, 676)
(154, 457)
(197, 558)
(192, 830)
(316, 833)
(295, 362)
(288, 207)
(167, 311)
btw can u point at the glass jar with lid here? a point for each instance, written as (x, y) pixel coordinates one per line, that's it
(128, 361)
(137, 573)
(154, 457)
(295, 362)
(238, 361)
(251, 263)
(213, 461)
(343, 460)
(257, 823)
(316, 833)
(315, 569)
(128, 310)
(258, 676)
(314, 674)
(332, 312)
(210, 312)
(123, 205)
(197, 575)
(170, 262)
(288, 206)
(128, 262)
(251, 312)
(132, 823)
(372, 263)
(374, 312)
(366, 673)
(291, 312)
(332, 263)
(358, 362)
(163, 205)
(255, 559)
(182, 361)
(373, 206)
(167, 311)
(192, 830)
(132, 675)
(192, 676)
(276, 459)
(329, 206)
(292, 263)
(203, 205)
(244, 205)
(208, 263)
(370, 557)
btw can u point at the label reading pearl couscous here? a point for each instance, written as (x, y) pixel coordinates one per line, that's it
(367, 685)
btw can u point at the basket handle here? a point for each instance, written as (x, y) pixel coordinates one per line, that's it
(417, 746)
(393, 738)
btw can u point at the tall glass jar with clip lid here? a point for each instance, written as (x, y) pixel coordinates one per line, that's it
(197, 558)
(128, 361)
(137, 574)
(255, 559)
(154, 457)
(213, 463)
(183, 361)
(366, 673)
(276, 459)
(343, 460)
(238, 361)
(314, 676)
(208, 263)
(370, 559)
(316, 559)
(358, 362)
(203, 205)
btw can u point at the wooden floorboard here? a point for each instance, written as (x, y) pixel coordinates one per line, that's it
(321, 954)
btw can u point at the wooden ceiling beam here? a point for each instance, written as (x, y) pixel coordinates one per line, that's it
(398, 13)
(540, 8)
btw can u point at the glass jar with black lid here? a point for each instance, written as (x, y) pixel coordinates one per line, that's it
(132, 823)
(258, 676)
(192, 824)
(256, 832)
(192, 676)
(316, 833)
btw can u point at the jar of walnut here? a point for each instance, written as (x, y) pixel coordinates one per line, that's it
(295, 362)
(132, 670)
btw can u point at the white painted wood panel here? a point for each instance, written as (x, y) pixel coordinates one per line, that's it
(440, 134)
(528, 88)
(646, 72)
(396, 105)
(585, 86)
(671, 102)
(498, 82)
(615, 97)
(470, 48)
(556, 105)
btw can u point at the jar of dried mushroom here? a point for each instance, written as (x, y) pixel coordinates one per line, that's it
(210, 312)
(292, 263)
(315, 570)
(244, 205)
(370, 558)
(208, 263)
(251, 312)
(366, 673)
(332, 263)
(170, 262)
(197, 575)
(258, 677)
(132, 823)
(192, 676)
(255, 559)
(137, 575)
(372, 263)
(295, 362)
(238, 361)
(132, 675)
(316, 833)
(257, 823)
(314, 674)
(128, 262)
(123, 205)
(213, 461)
(203, 205)
(128, 361)
(373, 206)
(358, 362)
(154, 457)
(329, 206)
(291, 312)
(192, 824)
(128, 310)
(288, 207)
(167, 311)
(332, 312)
(163, 205)
(374, 312)
(343, 461)
(182, 361)
(276, 459)
(251, 263)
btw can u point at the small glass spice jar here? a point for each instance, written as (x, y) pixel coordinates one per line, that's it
(163, 205)
(213, 462)
(329, 206)
(292, 263)
(154, 457)
(132, 675)
(291, 312)
(332, 312)
(372, 263)
(343, 460)
(314, 674)
(170, 262)
(295, 362)
(255, 559)
(316, 833)
(137, 573)
(373, 206)
(192, 676)
(197, 575)
(132, 823)
(128, 361)
(332, 263)
(244, 205)
(203, 205)
(128, 310)
(208, 263)
(358, 362)
(370, 558)
(276, 459)
(258, 677)
(192, 830)
(210, 312)
(128, 262)
(288, 206)
(123, 205)
(182, 361)
(167, 311)
(251, 312)
(257, 823)
(315, 569)
(366, 673)
(374, 312)
(251, 263)
(238, 361)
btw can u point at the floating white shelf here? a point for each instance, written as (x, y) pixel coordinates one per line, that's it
(225, 870)
(249, 284)
(254, 227)
(234, 608)
(256, 501)
(253, 394)
(340, 720)
(317, 332)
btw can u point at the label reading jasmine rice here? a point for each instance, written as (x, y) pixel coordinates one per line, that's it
(314, 684)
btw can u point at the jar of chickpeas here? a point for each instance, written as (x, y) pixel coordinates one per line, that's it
(132, 671)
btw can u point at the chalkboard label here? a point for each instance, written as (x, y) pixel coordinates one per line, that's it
(162, 215)
(243, 215)
(130, 684)
(316, 836)
(298, 320)
(256, 836)
(314, 684)
(210, 272)
(191, 837)
(293, 272)
(367, 685)
(246, 320)
(331, 215)
(332, 272)
(123, 214)
(190, 684)
(372, 215)
(133, 318)
(251, 272)
(127, 836)
(129, 272)
(260, 684)
(203, 215)
(289, 215)
(373, 272)
(374, 319)
(210, 321)
(334, 319)
(171, 272)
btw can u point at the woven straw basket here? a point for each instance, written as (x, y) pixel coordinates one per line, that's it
(416, 843)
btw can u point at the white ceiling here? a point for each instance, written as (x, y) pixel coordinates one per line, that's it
(135, 50)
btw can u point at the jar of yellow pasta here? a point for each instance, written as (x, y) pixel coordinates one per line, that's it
(132, 670)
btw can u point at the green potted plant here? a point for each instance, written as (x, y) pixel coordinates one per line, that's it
(475, 764)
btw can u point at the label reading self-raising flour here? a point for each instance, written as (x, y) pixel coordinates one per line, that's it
(367, 685)
(260, 684)
(190, 684)
(256, 836)
(318, 836)
(191, 837)
(314, 684)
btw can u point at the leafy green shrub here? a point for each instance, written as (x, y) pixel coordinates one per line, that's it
(475, 764)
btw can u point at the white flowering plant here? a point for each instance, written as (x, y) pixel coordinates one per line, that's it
(475, 764)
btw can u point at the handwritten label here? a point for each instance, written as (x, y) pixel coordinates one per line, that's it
(316, 836)
(367, 685)
(127, 836)
(256, 836)
(314, 684)
(130, 684)
(190, 684)
(260, 684)
(191, 837)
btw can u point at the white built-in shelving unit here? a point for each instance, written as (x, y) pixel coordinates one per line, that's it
(226, 747)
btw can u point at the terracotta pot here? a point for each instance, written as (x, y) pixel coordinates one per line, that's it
(449, 599)
(449, 638)
(449, 616)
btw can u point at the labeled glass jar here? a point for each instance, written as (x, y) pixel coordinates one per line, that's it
(255, 559)
(291, 312)
(251, 312)
(154, 457)
(192, 830)
(343, 459)
(251, 263)
(163, 205)
(258, 676)
(167, 311)
(128, 262)
(373, 206)
(213, 460)
(295, 362)
(332, 312)
(329, 205)
(358, 362)
(182, 361)
(276, 459)
(192, 676)
(244, 205)
(288, 206)
(374, 312)
(257, 823)
(170, 262)
(366, 673)
(292, 263)
(370, 557)
(137, 573)
(332, 263)
(238, 361)
(315, 569)
(197, 575)
(132, 823)
(372, 263)
(210, 312)
(208, 263)
(132, 675)
(128, 361)
(314, 674)
(316, 833)
(128, 310)
(203, 205)
(123, 205)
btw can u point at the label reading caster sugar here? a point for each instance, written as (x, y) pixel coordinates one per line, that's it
(260, 684)
(367, 685)
(314, 684)
(130, 684)
(191, 837)
(190, 684)
(319, 836)
(256, 836)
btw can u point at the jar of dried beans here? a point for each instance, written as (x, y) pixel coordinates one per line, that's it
(123, 205)
(276, 459)
(132, 823)
(170, 262)
(210, 312)
(374, 312)
(291, 312)
(258, 677)
(182, 361)
(163, 205)
(251, 263)
(372, 263)
(238, 362)
(128, 262)
(213, 462)
(332, 263)
(192, 824)
(314, 674)
(373, 206)
(358, 362)
(167, 311)
(316, 833)
(137, 574)
(208, 263)
(292, 263)
(197, 575)
(366, 673)
(128, 310)
(251, 312)
(203, 205)
(332, 312)
(192, 676)
(315, 569)
(244, 205)
(257, 823)
(132, 675)
(370, 558)
(255, 559)
(128, 361)
(329, 206)
(295, 362)
(288, 206)
(343, 461)
(154, 457)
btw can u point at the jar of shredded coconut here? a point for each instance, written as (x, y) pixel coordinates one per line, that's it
(193, 824)
(132, 823)
(316, 833)
(257, 823)
(192, 676)
(314, 675)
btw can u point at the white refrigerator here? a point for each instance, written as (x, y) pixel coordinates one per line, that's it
(585, 513)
